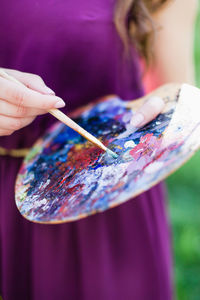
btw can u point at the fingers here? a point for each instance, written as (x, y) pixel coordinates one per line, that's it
(32, 81)
(22, 96)
(11, 124)
(5, 132)
(9, 109)
(149, 111)
(21, 103)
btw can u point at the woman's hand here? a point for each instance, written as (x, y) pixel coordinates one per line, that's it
(20, 105)
(148, 111)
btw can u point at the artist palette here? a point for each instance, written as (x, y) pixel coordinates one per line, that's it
(65, 178)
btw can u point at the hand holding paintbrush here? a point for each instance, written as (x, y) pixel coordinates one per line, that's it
(24, 96)
(26, 104)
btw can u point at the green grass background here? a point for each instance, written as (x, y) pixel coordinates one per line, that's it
(184, 207)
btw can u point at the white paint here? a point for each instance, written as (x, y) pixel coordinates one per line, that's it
(185, 117)
(40, 202)
(43, 185)
(129, 144)
(154, 167)
(139, 150)
(153, 153)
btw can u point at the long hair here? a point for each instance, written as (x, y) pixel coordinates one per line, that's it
(134, 23)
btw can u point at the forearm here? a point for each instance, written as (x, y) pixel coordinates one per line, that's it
(174, 42)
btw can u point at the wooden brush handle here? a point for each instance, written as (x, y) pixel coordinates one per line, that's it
(69, 122)
(62, 117)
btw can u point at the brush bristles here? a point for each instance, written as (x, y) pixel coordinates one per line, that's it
(111, 153)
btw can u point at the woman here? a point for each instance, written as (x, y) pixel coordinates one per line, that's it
(81, 50)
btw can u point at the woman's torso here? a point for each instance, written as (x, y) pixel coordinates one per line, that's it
(122, 253)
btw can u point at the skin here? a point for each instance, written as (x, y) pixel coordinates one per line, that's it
(174, 42)
(19, 105)
(173, 52)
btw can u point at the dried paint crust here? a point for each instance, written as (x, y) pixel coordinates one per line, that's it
(64, 177)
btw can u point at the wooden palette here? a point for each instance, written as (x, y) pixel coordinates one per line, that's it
(65, 178)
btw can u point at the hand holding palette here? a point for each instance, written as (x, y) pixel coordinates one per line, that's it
(64, 177)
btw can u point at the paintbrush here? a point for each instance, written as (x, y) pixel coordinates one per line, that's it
(66, 120)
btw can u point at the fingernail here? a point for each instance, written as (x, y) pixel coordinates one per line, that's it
(155, 98)
(137, 119)
(48, 90)
(59, 104)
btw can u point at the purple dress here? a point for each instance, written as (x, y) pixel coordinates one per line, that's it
(123, 253)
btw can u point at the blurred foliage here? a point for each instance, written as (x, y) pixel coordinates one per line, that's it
(184, 206)
(197, 48)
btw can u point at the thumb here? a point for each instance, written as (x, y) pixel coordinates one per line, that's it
(148, 111)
